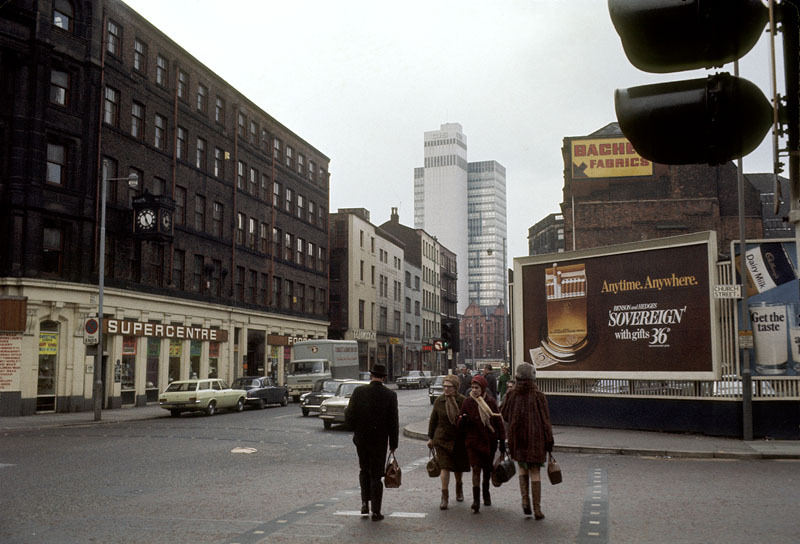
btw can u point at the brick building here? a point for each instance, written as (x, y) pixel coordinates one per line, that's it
(612, 195)
(237, 241)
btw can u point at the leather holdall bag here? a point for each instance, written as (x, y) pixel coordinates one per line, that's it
(392, 475)
(553, 470)
(504, 470)
(433, 464)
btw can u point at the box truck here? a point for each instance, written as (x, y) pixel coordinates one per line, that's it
(314, 360)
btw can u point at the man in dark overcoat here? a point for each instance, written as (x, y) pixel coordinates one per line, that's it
(491, 380)
(373, 416)
(464, 379)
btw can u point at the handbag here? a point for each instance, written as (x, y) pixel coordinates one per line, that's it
(553, 470)
(392, 475)
(503, 471)
(433, 464)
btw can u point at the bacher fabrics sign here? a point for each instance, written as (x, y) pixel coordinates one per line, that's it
(620, 311)
(607, 158)
(158, 330)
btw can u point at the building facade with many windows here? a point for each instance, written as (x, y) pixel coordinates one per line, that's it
(229, 234)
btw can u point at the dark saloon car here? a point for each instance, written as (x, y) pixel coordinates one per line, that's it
(323, 389)
(261, 391)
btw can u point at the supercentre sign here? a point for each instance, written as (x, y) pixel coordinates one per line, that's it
(159, 330)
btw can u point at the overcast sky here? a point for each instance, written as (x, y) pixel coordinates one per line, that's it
(362, 80)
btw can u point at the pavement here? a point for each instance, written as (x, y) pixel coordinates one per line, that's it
(567, 439)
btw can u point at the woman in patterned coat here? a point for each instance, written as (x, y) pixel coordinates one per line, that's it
(445, 436)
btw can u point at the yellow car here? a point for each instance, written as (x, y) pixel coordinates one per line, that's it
(206, 395)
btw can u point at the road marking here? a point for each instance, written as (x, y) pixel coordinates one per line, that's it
(407, 515)
(594, 521)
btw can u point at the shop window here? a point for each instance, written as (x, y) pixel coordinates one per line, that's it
(127, 370)
(195, 352)
(213, 359)
(153, 357)
(175, 352)
(48, 360)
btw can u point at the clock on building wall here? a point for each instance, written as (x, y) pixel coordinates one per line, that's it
(152, 217)
(145, 220)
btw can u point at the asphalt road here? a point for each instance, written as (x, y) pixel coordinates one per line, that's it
(275, 476)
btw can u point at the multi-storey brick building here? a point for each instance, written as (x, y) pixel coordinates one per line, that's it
(612, 195)
(237, 242)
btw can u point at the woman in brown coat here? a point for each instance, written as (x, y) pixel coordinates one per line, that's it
(530, 434)
(483, 428)
(447, 439)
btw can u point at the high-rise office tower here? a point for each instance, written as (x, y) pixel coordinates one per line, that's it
(463, 204)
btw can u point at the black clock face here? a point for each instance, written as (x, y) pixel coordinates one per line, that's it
(166, 220)
(146, 219)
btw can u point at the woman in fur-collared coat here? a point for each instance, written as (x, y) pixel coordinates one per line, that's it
(530, 434)
(483, 428)
(448, 440)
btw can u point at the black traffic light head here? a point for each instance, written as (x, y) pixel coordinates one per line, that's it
(710, 120)
(450, 333)
(673, 35)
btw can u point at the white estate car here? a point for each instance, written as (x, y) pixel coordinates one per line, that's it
(208, 395)
(332, 410)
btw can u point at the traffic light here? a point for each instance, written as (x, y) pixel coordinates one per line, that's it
(450, 335)
(711, 120)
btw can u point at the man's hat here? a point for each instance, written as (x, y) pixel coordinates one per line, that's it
(379, 370)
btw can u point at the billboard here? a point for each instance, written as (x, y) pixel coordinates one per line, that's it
(641, 310)
(774, 302)
(606, 158)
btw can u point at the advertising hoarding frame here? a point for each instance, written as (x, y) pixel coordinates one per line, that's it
(788, 293)
(706, 245)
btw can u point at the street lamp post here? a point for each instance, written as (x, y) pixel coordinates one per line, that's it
(97, 390)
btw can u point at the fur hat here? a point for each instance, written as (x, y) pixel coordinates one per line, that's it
(452, 379)
(525, 371)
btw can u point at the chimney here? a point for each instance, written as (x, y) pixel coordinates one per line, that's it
(395, 217)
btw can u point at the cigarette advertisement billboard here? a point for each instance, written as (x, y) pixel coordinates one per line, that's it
(774, 304)
(641, 311)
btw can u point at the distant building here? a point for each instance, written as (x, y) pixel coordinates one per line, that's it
(547, 236)
(438, 285)
(463, 204)
(776, 225)
(482, 336)
(367, 275)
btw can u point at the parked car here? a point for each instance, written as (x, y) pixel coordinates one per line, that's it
(415, 379)
(362, 375)
(261, 390)
(323, 389)
(436, 388)
(208, 395)
(332, 410)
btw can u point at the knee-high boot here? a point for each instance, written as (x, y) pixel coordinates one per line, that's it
(459, 491)
(476, 499)
(537, 500)
(524, 490)
(487, 479)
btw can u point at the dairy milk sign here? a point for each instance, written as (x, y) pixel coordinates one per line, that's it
(641, 310)
(773, 306)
